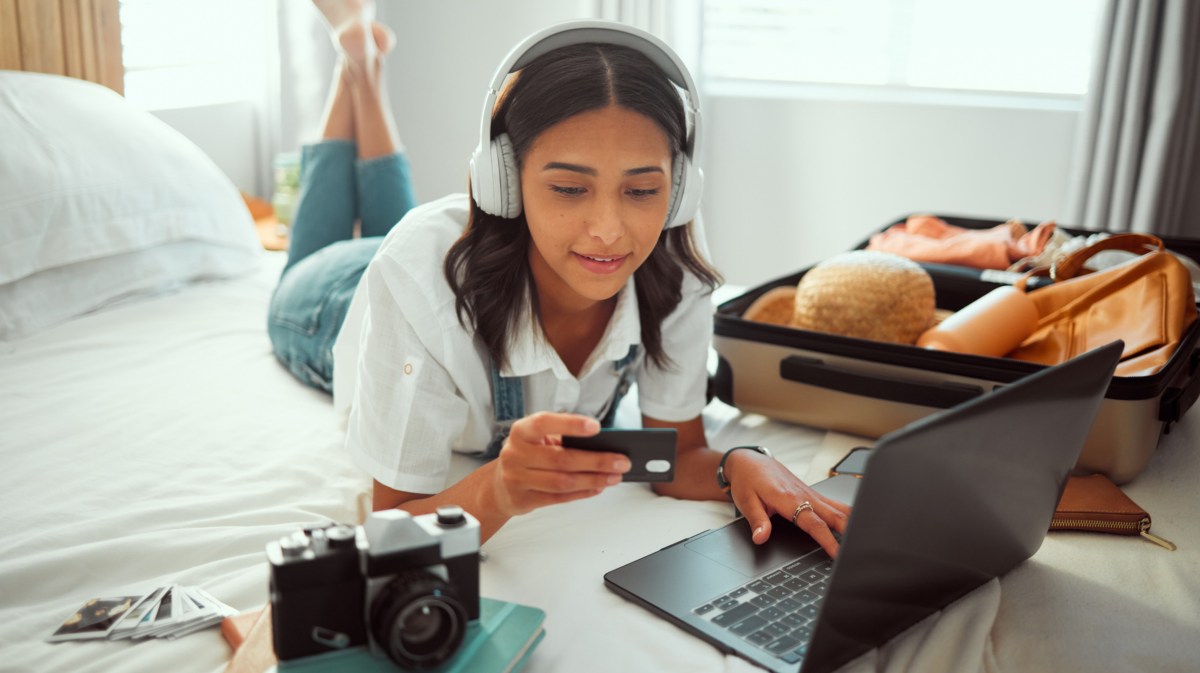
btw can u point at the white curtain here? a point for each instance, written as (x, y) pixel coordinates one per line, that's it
(1137, 164)
(649, 15)
(677, 22)
(306, 60)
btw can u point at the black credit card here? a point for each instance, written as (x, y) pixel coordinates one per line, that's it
(651, 451)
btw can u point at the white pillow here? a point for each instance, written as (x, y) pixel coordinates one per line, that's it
(89, 185)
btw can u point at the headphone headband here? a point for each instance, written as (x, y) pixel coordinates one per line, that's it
(485, 168)
(606, 32)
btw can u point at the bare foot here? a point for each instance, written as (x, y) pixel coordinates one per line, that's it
(385, 39)
(365, 55)
(340, 13)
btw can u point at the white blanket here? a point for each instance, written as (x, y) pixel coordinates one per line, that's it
(159, 442)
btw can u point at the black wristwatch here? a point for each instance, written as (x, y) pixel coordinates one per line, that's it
(724, 483)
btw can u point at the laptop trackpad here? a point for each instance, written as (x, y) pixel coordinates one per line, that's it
(732, 547)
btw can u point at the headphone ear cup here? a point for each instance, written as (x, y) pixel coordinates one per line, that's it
(481, 181)
(686, 184)
(508, 194)
(677, 185)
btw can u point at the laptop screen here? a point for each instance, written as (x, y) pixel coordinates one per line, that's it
(968, 494)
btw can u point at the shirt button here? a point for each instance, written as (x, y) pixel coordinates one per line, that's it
(408, 368)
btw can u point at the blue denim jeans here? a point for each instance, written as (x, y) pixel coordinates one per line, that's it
(325, 261)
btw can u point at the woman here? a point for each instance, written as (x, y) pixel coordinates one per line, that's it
(499, 334)
(357, 171)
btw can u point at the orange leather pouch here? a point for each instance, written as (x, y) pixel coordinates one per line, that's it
(1148, 303)
(1094, 503)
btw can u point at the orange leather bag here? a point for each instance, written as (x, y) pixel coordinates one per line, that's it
(1147, 302)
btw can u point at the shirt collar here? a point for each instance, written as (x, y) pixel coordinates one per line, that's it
(530, 353)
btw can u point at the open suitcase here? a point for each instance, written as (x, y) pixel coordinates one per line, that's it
(870, 388)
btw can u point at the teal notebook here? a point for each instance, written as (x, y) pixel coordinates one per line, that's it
(500, 642)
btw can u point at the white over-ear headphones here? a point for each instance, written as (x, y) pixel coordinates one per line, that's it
(495, 178)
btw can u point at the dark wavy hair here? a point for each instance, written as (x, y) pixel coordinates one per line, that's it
(490, 286)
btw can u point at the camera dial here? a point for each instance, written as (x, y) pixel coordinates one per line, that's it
(293, 545)
(340, 536)
(449, 516)
(418, 620)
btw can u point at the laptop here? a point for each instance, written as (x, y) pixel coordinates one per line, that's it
(945, 505)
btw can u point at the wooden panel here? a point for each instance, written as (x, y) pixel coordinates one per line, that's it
(41, 36)
(107, 24)
(76, 38)
(72, 39)
(10, 36)
(90, 69)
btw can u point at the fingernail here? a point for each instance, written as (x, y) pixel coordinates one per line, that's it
(613, 479)
(758, 531)
(591, 425)
(621, 465)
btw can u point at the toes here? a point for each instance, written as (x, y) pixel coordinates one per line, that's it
(385, 39)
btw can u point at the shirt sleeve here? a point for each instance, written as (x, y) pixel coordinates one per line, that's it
(406, 413)
(680, 392)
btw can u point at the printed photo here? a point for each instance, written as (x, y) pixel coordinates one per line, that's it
(95, 619)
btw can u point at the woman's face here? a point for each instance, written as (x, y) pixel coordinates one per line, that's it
(595, 189)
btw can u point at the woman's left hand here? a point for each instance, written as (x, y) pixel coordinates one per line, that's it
(762, 486)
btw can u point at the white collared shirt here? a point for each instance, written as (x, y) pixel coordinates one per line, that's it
(416, 384)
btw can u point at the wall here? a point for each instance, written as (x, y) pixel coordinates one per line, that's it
(790, 182)
(229, 134)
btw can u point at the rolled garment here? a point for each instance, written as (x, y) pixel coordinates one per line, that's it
(926, 238)
(994, 325)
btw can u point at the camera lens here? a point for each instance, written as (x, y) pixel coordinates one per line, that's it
(418, 620)
(424, 626)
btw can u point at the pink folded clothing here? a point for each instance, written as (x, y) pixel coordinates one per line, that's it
(926, 238)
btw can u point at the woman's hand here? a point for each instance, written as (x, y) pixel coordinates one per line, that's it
(534, 470)
(762, 486)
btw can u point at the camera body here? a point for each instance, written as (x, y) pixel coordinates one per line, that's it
(406, 586)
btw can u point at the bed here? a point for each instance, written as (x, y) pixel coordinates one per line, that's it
(149, 437)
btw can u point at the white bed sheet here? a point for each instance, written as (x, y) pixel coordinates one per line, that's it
(159, 442)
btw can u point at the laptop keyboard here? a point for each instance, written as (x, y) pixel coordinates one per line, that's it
(777, 611)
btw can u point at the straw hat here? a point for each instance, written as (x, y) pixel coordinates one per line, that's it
(863, 294)
(775, 307)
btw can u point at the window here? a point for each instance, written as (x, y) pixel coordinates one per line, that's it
(1016, 46)
(187, 53)
(210, 69)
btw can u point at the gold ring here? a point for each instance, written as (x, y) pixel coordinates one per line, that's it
(805, 506)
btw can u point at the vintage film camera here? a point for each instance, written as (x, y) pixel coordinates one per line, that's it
(405, 585)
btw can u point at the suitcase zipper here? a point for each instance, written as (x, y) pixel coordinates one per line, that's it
(1141, 527)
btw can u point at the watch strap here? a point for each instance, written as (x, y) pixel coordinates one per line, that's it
(722, 482)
